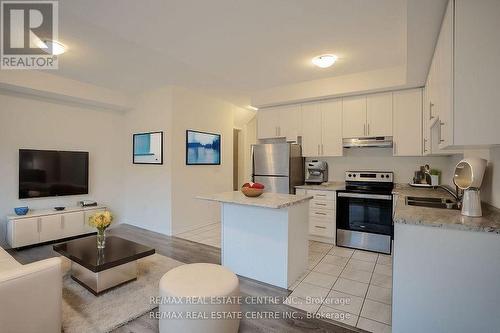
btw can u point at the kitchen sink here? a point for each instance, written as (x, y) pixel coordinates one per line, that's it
(444, 203)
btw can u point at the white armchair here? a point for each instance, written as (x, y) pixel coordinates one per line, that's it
(30, 295)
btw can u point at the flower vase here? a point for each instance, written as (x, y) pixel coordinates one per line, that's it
(101, 238)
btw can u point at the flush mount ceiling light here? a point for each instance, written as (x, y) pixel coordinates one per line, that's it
(325, 60)
(56, 47)
(252, 108)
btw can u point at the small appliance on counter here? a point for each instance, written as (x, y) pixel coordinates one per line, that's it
(468, 177)
(317, 172)
(426, 177)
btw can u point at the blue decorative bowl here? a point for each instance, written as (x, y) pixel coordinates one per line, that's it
(21, 210)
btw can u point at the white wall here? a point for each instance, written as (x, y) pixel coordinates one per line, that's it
(192, 110)
(147, 193)
(36, 123)
(382, 159)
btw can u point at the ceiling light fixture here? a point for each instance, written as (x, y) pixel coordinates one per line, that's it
(325, 60)
(253, 108)
(54, 46)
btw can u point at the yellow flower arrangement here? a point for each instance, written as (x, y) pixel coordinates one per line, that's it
(101, 220)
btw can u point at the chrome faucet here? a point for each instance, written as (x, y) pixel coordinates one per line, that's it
(455, 194)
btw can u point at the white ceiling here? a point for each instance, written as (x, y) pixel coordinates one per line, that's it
(235, 47)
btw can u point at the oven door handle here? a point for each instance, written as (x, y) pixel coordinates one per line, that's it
(364, 196)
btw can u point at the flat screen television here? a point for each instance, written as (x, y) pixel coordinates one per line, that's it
(48, 173)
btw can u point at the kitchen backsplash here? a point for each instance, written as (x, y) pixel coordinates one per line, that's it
(382, 159)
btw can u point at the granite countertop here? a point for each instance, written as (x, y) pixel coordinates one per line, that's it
(441, 218)
(266, 200)
(329, 186)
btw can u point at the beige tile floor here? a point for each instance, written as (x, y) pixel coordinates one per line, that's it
(209, 234)
(350, 286)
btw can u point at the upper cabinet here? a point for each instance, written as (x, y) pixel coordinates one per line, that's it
(369, 115)
(322, 128)
(460, 109)
(279, 122)
(379, 114)
(407, 122)
(354, 116)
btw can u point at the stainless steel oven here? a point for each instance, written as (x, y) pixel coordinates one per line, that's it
(364, 211)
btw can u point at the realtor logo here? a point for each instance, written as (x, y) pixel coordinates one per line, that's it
(25, 29)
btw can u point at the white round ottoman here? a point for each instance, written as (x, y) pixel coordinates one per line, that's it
(199, 298)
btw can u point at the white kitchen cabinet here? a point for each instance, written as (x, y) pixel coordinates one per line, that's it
(322, 215)
(331, 128)
(311, 130)
(379, 114)
(407, 139)
(279, 122)
(50, 228)
(368, 115)
(354, 117)
(464, 78)
(322, 129)
(267, 123)
(72, 224)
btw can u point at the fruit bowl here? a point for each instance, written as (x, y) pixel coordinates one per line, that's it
(252, 189)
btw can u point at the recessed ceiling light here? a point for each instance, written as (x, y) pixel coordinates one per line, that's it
(54, 46)
(325, 60)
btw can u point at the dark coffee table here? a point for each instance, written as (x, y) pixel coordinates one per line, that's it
(99, 270)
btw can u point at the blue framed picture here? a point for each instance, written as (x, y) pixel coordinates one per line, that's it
(148, 148)
(202, 148)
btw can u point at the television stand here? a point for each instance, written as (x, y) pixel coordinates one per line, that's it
(42, 226)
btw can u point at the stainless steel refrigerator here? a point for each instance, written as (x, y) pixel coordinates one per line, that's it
(279, 166)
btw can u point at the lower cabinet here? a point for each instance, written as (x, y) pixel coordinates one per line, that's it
(322, 216)
(46, 226)
(72, 224)
(50, 228)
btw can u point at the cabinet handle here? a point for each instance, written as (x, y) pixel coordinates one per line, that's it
(279, 131)
(319, 204)
(318, 150)
(39, 225)
(322, 151)
(364, 129)
(319, 226)
(395, 148)
(318, 213)
(62, 222)
(431, 105)
(368, 129)
(425, 145)
(441, 124)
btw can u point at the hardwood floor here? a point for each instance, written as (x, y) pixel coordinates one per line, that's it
(191, 252)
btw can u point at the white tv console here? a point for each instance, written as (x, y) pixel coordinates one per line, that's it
(40, 226)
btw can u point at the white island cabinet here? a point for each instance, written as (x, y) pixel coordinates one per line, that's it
(264, 238)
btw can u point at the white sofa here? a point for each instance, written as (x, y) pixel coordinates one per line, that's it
(30, 295)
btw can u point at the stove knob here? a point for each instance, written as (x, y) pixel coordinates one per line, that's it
(354, 175)
(386, 176)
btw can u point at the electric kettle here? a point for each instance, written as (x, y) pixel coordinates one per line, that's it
(468, 176)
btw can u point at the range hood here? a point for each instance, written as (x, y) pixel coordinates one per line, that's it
(375, 141)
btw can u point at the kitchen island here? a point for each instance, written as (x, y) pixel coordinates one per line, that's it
(264, 238)
(446, 268)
